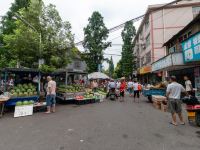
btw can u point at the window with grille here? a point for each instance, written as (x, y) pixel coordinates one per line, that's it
(196, 11)
(147, 40)
(148, 57)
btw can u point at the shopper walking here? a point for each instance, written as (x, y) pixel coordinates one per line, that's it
(136, 91)
(122, 89)
(174, 90)
(51, 95)
(188, 86)
(130, 87)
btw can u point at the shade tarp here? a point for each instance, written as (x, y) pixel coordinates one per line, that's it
(97, 75)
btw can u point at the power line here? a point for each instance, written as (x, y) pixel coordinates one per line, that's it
(118, 27)
(135, 19)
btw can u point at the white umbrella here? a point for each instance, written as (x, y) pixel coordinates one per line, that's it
(97, 75)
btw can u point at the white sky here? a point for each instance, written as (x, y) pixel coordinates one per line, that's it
(114, 12)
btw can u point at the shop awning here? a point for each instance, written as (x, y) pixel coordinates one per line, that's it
(144, 70)
(97, 75)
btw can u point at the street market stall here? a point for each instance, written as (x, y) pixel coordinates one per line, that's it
(70, 84)
(149, 91)
(21, 84)
(73, 86)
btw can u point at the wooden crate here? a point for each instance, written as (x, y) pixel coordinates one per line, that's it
(164, 107)
(157, 105)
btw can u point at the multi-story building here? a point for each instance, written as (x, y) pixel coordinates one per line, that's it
(157, 27)
(183, 55)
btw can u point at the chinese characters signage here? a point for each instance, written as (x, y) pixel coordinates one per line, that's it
(191, 48)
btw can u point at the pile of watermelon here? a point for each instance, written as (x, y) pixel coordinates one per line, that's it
(22, 103)
(23, 90)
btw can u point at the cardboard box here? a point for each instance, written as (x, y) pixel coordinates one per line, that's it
(164, 107)
(157, 105)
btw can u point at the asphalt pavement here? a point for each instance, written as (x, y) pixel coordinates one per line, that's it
(104, 126)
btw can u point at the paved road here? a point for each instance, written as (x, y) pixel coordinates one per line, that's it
(105, 126)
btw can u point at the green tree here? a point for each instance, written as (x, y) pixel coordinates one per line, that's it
(127, 60)
(111, 67)
(57, 39)
(118, 70)
(7, 27)
(95, 35)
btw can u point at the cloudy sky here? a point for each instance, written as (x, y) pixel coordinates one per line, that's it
(114, 12)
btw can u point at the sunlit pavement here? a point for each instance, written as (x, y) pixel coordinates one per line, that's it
(105, 126)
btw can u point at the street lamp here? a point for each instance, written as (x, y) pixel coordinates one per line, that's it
(40, 61)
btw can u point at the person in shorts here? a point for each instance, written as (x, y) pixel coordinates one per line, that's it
(51, 95)
(188, 86)
(173, 94)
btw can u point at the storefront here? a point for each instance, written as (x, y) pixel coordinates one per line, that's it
(146, 76)
(191, 55)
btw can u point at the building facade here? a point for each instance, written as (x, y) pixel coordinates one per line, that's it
(157, 27)
(183, 55)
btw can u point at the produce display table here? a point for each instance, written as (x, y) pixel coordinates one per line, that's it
(12, 101)
(2, 103)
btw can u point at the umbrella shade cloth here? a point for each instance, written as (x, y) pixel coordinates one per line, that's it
(97, 75)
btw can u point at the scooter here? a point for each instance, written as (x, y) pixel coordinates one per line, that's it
(193, 109)
(112, 94)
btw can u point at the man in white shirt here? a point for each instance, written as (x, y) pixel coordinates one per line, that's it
(130, 87)
(188, 85)
(174, 91)
(136, 90)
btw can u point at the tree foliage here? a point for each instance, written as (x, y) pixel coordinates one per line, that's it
(118, 70)
(127, 63)
(95, 35)
(7, 27)
(24, 42)
(111, 67)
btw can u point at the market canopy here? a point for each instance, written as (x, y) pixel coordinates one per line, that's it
(97, 75)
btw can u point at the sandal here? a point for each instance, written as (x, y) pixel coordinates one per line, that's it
(182, 123)
(173, 124)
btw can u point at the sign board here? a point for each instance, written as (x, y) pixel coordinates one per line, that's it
(191, 48)
(145, 69)
(25, 110)
(162, 63)
(168, 61)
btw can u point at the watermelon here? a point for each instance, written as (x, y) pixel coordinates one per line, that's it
(23, 90)
(14, 94)
(25, 102)
(29, 90)
(21, 94)
(31, 102)
(17, 90)
(12, 91)
(25, 93)
(19, 103)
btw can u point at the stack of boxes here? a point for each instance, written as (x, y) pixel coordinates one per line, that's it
(160, 102)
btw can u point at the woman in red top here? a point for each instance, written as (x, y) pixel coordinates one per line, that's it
(122, 89)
